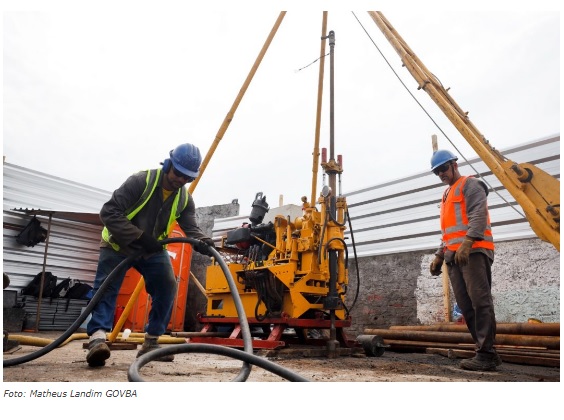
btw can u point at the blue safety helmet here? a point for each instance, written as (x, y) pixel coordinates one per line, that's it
(185, 158)
(440, 157)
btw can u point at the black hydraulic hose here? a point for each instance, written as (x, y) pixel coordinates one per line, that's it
(133, 374)
(346, 256)
(355, 261)
(344, 244)
(246, 356)
(335, 221)
(321, 239)
(244, 324)
(76, 324)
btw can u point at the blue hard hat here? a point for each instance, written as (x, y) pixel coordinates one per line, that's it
(186, 158)
(441, 156)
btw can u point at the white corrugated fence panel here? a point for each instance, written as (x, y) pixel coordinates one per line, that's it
(74, 227)
(403, 215)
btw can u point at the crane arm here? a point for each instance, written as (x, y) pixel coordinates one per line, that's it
(537, 192)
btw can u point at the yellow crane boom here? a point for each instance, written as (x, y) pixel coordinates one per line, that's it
(536, 191)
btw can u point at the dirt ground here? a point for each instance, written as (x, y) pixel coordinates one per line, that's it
(67, 363)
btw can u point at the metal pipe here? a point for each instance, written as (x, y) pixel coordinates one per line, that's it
(130, 303)
(39, 298)
(501, 349)
(229, 117)
(525, 328)
(458, 337)
(332, 297)
(201, 288)
(189, 334)
(522, 359)
(318, 117)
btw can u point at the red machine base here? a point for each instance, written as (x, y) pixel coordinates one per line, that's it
(270, 332)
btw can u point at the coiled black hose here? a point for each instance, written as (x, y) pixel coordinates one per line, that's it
(246, 355)
(133, 374)
(78, 322)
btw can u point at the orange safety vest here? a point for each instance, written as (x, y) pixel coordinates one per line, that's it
(454, 219)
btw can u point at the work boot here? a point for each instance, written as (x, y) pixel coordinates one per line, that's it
(151, 344)
(98, 352)
(497, 359)
(480, 363)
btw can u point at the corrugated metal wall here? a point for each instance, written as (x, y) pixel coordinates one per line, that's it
(403, 215)
(72, 249)
(395, 216)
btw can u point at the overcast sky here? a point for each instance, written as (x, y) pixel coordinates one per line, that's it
(94, 96)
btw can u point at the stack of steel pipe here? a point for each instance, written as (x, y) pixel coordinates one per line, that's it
(523, 343)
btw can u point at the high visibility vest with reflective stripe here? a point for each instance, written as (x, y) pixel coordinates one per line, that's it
(454, 219)
(151, 182)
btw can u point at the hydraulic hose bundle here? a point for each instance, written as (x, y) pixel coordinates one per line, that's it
(246, 355)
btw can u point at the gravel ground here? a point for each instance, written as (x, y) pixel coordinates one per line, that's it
(351, 384)
(67, 364)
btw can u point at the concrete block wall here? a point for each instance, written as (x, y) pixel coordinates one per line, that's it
(526, 281)
(397, 289)
(196, 301)
(386, 295)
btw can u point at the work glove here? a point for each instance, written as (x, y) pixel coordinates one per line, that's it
(149, 244)
(202, 246)
(463, 252)
(436, 265)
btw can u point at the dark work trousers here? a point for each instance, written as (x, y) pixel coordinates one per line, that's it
(160, 284)
(472, 285)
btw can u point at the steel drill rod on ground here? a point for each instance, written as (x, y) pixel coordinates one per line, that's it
(524, 328)
(413, 345)
(200, 334)
(509, 358)
(549, 342)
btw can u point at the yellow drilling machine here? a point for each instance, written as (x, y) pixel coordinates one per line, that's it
(290, 269)
(290, 274)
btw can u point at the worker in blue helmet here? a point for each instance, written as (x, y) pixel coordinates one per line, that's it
(467, 249)
(440, 157)
(186, 158)
(140, 213)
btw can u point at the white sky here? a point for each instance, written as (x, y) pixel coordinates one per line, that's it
(93, 95)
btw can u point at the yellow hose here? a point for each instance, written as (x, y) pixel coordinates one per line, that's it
(29, 340)
(42, 342)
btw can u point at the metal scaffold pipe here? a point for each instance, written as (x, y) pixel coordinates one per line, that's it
(526, 328)
(549, 342)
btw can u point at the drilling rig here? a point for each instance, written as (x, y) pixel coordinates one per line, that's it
(290, 269)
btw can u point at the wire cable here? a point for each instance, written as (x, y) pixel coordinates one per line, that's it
(433, 120)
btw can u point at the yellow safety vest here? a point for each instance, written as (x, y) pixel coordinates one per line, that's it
(151, 182)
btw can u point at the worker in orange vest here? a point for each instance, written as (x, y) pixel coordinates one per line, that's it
(467, 248)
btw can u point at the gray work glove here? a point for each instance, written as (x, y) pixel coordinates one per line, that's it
(149, 244)
(203, 246)
(436, 265)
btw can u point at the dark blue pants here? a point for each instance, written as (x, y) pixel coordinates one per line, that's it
(160, 284)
